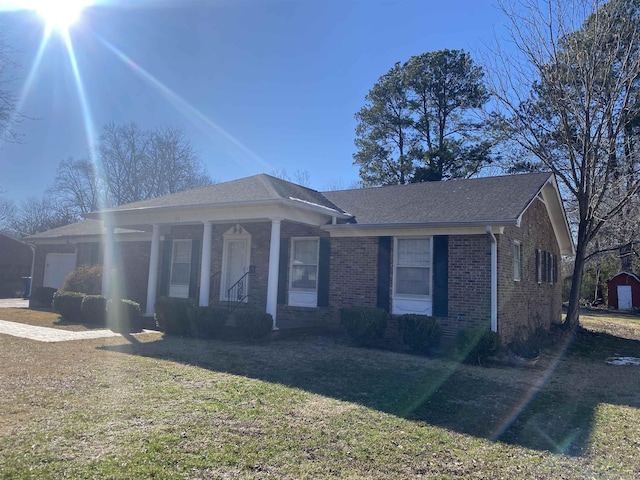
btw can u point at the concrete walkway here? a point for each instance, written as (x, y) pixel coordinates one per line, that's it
(44, 334)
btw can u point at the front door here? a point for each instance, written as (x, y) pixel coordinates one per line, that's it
(235, 263)
(624, 297)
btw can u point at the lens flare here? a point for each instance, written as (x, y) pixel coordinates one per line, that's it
(59, 15)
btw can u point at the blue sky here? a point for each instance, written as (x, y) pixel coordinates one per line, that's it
(256, 85)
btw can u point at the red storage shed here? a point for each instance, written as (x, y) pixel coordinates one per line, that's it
(624, 291)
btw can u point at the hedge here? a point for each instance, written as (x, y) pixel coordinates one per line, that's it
(420, 332)
(476, 345)
(122, 314)
(94, 309)
(364, 324)
(172, 315)
(253, 324)
(43, 296)
(68, 305)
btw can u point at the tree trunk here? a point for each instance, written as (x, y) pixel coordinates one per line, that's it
(573, 311)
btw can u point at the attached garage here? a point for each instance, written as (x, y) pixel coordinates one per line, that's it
(624, 291)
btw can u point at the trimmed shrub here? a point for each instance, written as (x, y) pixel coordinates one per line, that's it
(85, 279)
(44, 296)
(122, 314)
(172, 315)
(68, 305)
(94, 309)
(476, 345)
(206, 322)
(364, 324)
(419, 332)
(253, 324)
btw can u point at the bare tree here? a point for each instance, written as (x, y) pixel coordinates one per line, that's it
(301, 177)
(35, 215)
(174, 162)
(75, 186)
(8, 115)
(124, 162)
(139, 164)
(570, 98)
(7, 211)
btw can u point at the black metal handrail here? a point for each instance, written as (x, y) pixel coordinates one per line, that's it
(238, 292)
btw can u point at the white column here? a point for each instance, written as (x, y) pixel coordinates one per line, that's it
(107, 263)
(152, 283)
(205, 266)
(274, 264)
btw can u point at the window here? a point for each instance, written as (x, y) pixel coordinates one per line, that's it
(413, 267)
(181, 262)
(304, 264)
(517, 261)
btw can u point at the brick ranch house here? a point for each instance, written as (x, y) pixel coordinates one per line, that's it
(479, 252)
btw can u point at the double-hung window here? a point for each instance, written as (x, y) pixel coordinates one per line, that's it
(303, 277)
(180, 268)
(413, 267)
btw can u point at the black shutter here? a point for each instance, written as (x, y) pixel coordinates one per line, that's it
(282, 271)
(166, 267)
(323, 271)
(441, 276)
(555, 269)
(195, 261)
(384, 272)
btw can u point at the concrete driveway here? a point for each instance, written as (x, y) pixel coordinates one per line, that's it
(13, 303)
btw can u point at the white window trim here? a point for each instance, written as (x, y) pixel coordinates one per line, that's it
(408, 303)
(517, 274)
(303, 297)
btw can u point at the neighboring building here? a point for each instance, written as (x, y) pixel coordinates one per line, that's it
(15, 263)
(623, 291)
(479, 252)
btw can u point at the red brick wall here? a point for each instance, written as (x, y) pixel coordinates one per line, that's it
(354, 272)
(527, 304)
(469, 283)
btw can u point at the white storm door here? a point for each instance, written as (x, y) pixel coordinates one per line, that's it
(236, 264)
(624, 297)
(57, 267)
(180, 269)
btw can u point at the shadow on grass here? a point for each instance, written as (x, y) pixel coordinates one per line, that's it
(548, 408)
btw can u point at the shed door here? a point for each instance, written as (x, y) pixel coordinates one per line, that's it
(57, 267)
(624, 297)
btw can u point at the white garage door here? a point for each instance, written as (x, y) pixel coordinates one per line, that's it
(58, 266)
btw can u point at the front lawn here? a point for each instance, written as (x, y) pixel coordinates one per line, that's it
(312, 407)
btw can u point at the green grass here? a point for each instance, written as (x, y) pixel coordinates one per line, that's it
(314, 407)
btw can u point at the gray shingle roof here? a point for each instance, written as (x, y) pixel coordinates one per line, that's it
(257, 188)
(489, 200)
(479, 200)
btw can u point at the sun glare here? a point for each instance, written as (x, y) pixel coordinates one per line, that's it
(59, 14)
